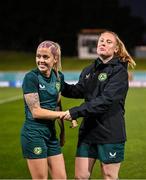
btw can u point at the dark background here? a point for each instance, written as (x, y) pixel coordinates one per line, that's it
(24, 24)
(137, 7)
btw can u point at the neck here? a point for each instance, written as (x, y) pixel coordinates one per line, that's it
(105, 59)
(46, 74)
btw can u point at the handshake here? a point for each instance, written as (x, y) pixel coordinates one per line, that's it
(66, 116)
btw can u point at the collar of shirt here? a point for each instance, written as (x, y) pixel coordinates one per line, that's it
(113, 61)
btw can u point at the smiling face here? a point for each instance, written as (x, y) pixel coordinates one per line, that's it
(45, 60)
(106, 46)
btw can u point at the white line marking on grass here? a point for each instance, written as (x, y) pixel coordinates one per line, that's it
(11, 99)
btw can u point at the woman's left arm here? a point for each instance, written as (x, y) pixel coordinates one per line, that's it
(114, 91)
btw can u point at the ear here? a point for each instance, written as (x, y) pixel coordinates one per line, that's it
(55, 59)
(116, 49)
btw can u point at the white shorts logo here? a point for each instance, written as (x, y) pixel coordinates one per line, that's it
(112, 155)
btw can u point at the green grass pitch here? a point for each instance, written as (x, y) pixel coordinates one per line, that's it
(13, 166)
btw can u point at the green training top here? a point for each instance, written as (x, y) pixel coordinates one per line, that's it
(47, 88)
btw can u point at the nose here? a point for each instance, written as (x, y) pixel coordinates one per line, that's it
(42, 59)
(103, 43)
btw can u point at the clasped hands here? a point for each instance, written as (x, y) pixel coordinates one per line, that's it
(66, 116)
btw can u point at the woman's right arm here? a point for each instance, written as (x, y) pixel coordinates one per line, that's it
(74, 90)
(33, 102)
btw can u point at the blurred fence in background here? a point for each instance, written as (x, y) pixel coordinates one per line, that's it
(14, 79)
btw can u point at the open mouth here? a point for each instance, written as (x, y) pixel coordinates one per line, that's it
(42, 66)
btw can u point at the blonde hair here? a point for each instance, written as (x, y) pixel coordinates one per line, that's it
(56, 52)
(122, 52)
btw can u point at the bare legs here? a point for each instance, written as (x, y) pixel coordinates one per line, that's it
(57, 167)
(84, 166)
(54, 164)
(110, 171)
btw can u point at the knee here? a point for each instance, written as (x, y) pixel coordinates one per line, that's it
(40, 176)
(82, 175)
(62, 176)
(58, 175)
(110, 171)
(109, 174)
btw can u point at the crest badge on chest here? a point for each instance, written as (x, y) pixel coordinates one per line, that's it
(102, 76)
(58, 86)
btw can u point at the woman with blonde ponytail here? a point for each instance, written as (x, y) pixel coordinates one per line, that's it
(41, 89)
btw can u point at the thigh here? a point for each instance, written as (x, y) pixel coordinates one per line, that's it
(57, 166)
(110, 171)
(83, 167)
(38, 168)
(85, 158)
(110, 156)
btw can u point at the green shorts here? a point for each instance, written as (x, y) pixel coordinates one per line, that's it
(38, 143)
(106, 153)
